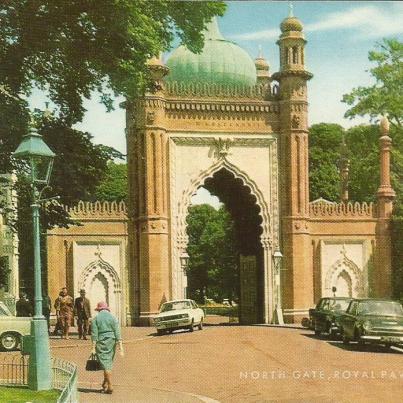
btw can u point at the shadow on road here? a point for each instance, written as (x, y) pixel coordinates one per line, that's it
(88, 390)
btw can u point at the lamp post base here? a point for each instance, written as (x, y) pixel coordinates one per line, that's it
(39, 371)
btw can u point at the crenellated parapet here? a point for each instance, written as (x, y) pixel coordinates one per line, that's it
(98, 210)
(202, 90)
(342, 210)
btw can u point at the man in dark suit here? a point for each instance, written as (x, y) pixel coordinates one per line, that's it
(82, 310)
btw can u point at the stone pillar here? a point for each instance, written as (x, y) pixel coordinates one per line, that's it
(383, 266)
(297, 287)
(344, 171)
(148, 185)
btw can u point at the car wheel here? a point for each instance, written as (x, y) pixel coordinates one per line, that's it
(160, 332)
(191, 326)
(200, 326)
(317, 332)
(9, 341)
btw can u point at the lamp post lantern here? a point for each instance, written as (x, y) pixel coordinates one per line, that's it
(278, 317)
(39, 159)
(184, 259)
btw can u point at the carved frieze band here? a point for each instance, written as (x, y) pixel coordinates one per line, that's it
(235, 141)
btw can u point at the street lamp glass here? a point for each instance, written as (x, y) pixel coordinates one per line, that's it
(184, 259)
(38, 156)
(277, 256)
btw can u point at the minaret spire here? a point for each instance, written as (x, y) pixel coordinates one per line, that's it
(290, 9)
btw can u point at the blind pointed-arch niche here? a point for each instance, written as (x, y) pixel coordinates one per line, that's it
(102, 283)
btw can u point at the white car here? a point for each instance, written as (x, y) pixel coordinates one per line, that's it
(12, 329)
(179, 314)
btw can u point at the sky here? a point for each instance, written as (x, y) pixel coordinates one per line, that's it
(339, 36)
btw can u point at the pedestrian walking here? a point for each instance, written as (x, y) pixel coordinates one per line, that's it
(46, 308)
(82, 310)
(64, 311)
(23, 306)
(105, 336)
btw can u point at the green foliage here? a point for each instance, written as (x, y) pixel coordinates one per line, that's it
(324, 154)
(113, 186)
(385, 97)
(73, 47)
(363, 145)
(213, 263)
(397, 256)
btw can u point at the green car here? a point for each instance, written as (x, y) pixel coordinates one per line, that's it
(376, 321)
(325, 317)
(12, 328)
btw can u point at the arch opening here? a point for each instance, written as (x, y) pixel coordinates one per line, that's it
(241, 205)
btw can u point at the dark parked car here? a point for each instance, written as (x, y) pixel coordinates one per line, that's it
(373, 321)
(324, 318)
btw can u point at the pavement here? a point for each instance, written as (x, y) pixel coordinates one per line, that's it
(89, 382)
(230, 363)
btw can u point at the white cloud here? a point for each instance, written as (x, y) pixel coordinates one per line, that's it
(370, 21)
(258, 35)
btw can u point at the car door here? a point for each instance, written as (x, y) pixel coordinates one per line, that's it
(196, 313)
(348, 319)
(322, 313)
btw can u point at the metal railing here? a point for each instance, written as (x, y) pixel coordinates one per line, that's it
(65, 379)
(14, 372)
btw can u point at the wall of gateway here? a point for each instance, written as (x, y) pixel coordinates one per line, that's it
(93, 256)
(345, 249)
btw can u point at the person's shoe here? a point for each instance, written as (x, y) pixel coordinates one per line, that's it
(109, 391)
(85, 338)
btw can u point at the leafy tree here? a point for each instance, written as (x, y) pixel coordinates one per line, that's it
(363, 146)
(113, 186)
(73, 47)
(385, 97)
(213, 268)
(325, 140)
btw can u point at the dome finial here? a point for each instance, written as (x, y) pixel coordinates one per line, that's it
(290, 9)
(260, 54)
(212, 31)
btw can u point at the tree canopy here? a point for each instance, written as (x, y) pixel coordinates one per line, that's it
(113, 186)
(73, 47)
(385, 97)
(213, 263)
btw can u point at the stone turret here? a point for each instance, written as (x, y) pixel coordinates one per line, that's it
(385, 193)
(294, 176)
(344, 171)
(262, 68)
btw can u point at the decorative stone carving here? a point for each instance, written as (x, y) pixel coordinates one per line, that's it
(150, 118)
(222, 146)
(295, 122)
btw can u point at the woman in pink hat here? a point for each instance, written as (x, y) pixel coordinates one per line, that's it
(105, 335)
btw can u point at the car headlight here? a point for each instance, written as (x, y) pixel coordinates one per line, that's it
(184, 315)
(366, 325)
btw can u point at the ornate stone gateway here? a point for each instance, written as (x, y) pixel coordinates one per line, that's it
(219, 120)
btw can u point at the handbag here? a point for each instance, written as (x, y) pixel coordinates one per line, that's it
(93, 363)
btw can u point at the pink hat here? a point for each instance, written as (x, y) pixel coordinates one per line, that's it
(101, 306)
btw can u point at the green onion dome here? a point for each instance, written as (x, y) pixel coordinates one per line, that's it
(220, 62)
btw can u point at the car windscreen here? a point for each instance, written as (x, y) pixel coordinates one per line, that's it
(380, 308)
(175, 306)
(339, 305)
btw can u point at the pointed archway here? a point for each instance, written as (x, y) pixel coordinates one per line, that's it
(102, 283)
